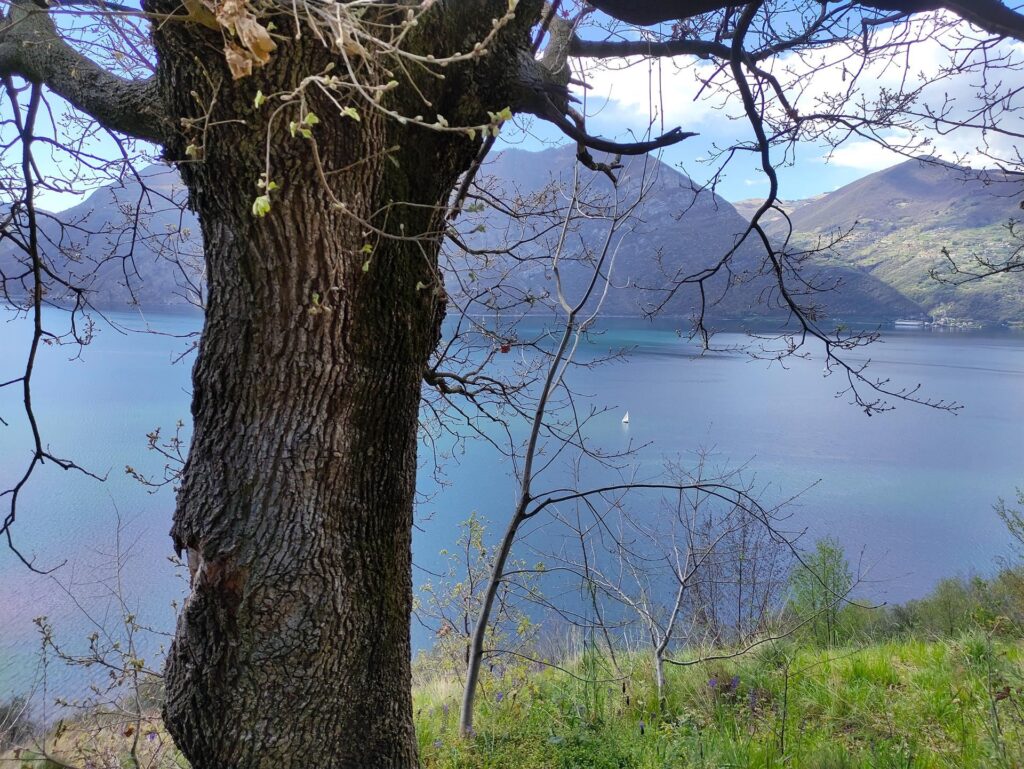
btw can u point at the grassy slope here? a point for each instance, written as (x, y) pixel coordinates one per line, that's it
(896, 704)
(900, 704)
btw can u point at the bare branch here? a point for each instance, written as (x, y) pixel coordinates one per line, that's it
(989, 15)
(32, 48)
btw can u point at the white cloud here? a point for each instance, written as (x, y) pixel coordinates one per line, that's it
(864, 156)
(665, 93)
(631, 93)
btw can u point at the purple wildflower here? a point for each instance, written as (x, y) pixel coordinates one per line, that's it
(438, 744)
(151, 736)
(499, 696)
(713, 683)
(735, 682)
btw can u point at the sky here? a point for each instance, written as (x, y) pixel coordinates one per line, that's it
(628, 95)
(626, 98)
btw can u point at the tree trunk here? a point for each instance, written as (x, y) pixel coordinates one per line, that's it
(659, 677)
(295, 508)
(296, 503)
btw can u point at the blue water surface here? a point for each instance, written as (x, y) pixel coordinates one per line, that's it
(911, 489)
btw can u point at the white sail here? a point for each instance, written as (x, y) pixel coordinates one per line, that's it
(625, 419)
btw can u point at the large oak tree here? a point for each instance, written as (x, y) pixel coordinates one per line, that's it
(321, 144)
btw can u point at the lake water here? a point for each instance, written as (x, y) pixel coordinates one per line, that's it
(914, 488)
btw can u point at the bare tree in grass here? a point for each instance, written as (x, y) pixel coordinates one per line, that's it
(693, 562)
(578, 313)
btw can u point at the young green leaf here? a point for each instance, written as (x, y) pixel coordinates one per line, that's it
(261, 206)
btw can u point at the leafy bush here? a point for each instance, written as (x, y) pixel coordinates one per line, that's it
(819, 588)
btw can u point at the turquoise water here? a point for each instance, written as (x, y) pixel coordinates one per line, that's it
(912, 488)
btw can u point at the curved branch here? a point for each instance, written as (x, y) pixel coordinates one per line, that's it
(647, 12)
(667, 139)
(604, 49)
(990, 15)
(31, 48)
(542, 89)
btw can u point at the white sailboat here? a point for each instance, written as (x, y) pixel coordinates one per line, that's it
(625, 419)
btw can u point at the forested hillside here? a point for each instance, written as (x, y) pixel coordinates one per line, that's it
(895, 225)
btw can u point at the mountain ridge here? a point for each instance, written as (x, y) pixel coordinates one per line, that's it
(897, 224)
(678, 230)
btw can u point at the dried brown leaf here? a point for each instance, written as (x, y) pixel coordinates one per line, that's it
(256, 44)
(239, 60)
(255, 37)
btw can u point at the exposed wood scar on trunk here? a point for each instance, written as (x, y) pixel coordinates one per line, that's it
(221, 578)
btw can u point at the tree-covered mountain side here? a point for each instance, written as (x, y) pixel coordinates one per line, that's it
(129, 244)
(907, 222)
(134, 243)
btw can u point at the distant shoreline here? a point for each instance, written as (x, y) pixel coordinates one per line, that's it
(754, 324)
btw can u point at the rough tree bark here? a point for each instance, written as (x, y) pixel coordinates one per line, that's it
(296, 503)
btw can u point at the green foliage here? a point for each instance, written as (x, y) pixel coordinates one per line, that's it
(261, 206)
(819, 588)
(953, 704)
(451, 602)
(956, 605)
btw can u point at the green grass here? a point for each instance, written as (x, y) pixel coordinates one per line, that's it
(893, 704)
(889, 704)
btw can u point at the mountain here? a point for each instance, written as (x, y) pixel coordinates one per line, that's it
(896, 223)
(748, 207)
(679, 230)
(128, 241)
(131, 243)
